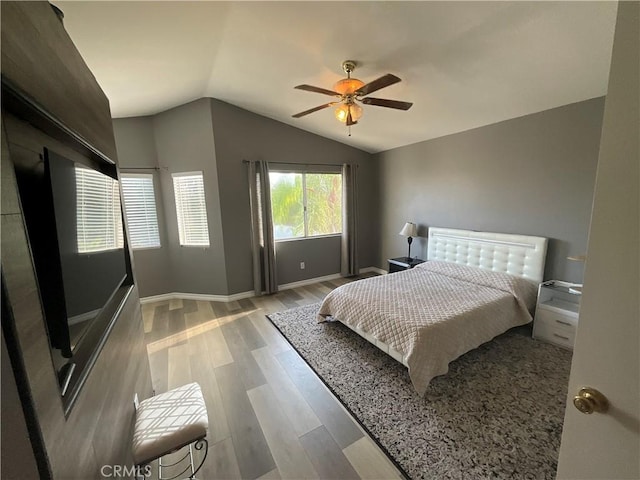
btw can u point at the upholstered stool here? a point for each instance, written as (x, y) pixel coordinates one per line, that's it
(168, 422)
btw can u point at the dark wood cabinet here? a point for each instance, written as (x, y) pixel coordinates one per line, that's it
(40, 62)
(403, 263)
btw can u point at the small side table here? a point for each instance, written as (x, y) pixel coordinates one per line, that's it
(557, 313)
(403, 263)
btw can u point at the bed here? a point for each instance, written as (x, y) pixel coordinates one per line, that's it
(474, 286)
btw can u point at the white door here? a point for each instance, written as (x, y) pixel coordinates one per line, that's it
(606, 355)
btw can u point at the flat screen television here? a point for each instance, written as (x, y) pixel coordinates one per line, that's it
(75, 228)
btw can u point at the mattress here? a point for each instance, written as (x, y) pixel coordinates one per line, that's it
(428, 316)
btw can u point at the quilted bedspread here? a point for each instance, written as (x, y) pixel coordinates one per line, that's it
(432, 313)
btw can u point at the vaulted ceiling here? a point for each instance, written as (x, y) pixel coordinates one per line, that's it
(462, 64)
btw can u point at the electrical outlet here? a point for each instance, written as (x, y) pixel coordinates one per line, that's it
(301, 265)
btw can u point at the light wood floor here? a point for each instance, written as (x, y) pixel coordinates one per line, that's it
(269, 414)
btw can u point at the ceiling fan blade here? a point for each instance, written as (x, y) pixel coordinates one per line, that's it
(315, 109)
(377, 84)
(383, 102)
(311, 88)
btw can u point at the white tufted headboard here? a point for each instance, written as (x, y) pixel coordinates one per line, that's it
(519, 255)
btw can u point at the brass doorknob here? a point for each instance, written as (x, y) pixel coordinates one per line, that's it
(590, 400)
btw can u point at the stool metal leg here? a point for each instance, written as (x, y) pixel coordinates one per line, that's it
(198, 445)
(167, 465)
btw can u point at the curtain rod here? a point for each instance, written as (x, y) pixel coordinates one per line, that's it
(308, 164)
(140, 168)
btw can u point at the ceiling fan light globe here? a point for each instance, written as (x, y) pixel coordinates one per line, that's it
(342, 112)
(356, 111)
(347, 86)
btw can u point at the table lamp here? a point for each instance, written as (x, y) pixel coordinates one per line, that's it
(409, 230)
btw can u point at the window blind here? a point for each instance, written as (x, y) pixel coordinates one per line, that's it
(140, 210)
(98, 213)
(191, 209)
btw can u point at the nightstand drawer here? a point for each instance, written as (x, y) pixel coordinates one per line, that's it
(556, 320)
(560, 335)
(557, 314)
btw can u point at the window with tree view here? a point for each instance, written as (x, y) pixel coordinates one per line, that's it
(305, 204)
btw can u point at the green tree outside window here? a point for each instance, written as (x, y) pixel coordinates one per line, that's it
(317, 194)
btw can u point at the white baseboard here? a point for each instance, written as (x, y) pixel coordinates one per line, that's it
(196, 296)
(237, 296)
(374, 270)
(302, 283)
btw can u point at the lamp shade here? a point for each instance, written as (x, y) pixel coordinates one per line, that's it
(409, 230)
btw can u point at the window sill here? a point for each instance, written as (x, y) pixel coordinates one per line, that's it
(297, 239)
(137, 249)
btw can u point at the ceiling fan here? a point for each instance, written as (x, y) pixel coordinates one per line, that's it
(350, 91)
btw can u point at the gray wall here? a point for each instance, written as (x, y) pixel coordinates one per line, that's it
(320, 255)
(135, 141)
(531, 175)
(178, 140)
(184, 142)
(239, 135)
(212, 136)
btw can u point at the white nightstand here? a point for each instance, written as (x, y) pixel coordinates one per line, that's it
(556, 319)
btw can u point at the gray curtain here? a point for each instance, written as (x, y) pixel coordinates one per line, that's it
(349, 258)
(262, 244)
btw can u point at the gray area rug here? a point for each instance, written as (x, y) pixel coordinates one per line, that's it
(498, 413)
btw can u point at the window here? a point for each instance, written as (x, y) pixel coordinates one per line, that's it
(305, 204)
(191, 209)
(98, 212)
(140, 203)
